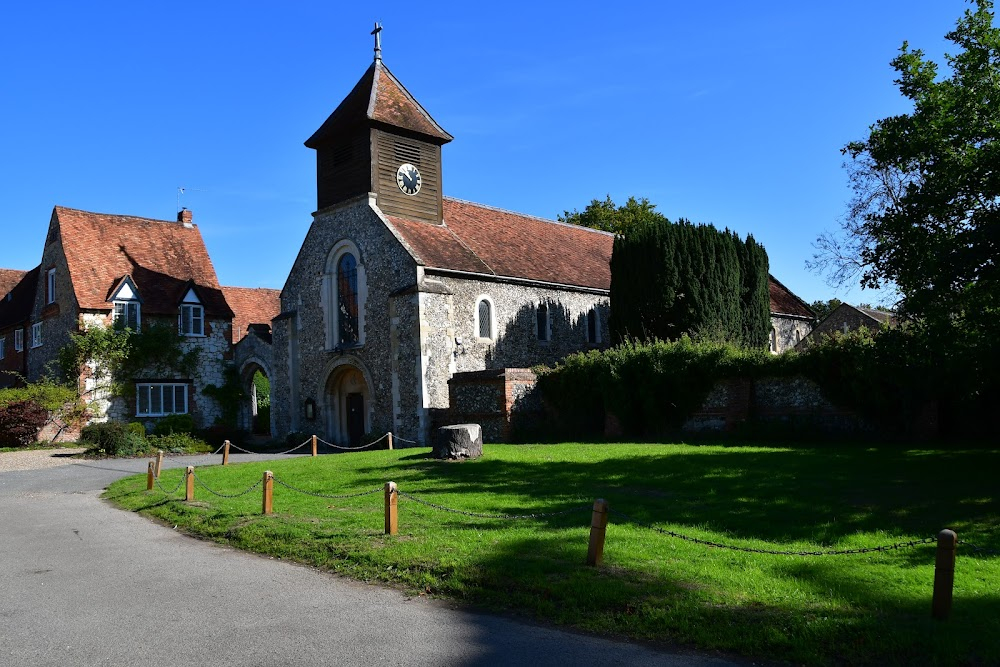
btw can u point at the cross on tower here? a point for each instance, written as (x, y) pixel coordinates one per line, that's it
(378, 40)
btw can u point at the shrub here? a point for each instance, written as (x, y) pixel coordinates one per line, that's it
(44, 393)
(179, 443)
(20, 422)
(215, 435)
(114, 439)
(174, 424)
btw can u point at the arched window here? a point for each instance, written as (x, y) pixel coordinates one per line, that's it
(798, 336)
(593, 327)
(484, 318)
(347, 299)
(774, 340)
(542, 321)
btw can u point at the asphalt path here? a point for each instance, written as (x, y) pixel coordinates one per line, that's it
(83, 583)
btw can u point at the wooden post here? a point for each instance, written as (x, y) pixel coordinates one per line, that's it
(391, 517)
(189, 484)
(149, 477)
(314, 445)
(159, 462)
(267, 507)
(598, 527)
(225, 453)
(389, 434)
(944, 574)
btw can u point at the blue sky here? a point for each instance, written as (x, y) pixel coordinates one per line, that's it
(732, 113)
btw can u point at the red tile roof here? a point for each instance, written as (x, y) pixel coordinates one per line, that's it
(8, 279)
(379, 97)
(783, 302)
(251, 305)
(17, 309)
(482, 239)
(164, 259)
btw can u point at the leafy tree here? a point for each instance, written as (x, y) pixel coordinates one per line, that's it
(824, 308)
(606, 216)
(925, 214)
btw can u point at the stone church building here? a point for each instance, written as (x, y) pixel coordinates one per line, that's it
(397, 288)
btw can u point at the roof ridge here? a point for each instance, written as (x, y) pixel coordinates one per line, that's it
(528, 215)
(69, 209)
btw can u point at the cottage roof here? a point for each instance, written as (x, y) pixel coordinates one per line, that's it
(784, 302)
(379, 98)
(9, 278)
(17, 308)
(880, 316)
(486, 240)
(163, 258)
(251, 305)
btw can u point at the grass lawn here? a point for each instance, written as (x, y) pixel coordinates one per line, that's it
(870, 608)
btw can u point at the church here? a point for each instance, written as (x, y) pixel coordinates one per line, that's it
(397, 289)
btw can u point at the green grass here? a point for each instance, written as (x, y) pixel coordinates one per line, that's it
(871, 608)
(42, 445)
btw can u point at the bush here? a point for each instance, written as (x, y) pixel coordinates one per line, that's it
(44, 393)
(20, 422)
(114, 439)
(174, 424)
(179, 443)
(215, 435)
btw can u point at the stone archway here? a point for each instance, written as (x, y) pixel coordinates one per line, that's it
(254, 417)
(347, 405)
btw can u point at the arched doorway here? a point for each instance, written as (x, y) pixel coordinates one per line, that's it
(348, 405)
(255, 413)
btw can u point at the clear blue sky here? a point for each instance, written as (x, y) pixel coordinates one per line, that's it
(725, 112)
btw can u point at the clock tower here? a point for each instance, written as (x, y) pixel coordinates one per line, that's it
(379, 139)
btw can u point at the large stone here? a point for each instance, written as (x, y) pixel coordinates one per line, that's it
(459, 441)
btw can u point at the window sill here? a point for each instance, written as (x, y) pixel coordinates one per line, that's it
(160, 414)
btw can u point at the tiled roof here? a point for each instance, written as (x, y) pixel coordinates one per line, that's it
(482, 239)
(879, 316)
(163, 258)
(251, 305)
(22, 298)
(783, 302)
(379, 97)
(8, 279)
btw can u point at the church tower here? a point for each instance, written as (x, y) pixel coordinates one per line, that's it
(379, 139)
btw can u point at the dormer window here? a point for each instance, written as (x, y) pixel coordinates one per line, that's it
(127, 306)
(192, 315)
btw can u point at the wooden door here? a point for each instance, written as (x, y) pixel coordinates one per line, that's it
(355, 419)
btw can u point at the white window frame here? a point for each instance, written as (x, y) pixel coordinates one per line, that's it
(125, 304)
(493, 319)
(191, 308)
(330, 299)
(36, 335)
(19, 340)
(149, 388)
(50, 286)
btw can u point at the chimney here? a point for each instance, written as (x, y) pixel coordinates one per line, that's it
(185, 217)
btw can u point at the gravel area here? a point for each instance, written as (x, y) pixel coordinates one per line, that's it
(35, 459)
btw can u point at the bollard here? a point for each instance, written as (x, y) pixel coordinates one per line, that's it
(267, 507)
(314, 445)
(225, 452)
(944, 574)
(159, 462)
(189, 484)
(149, 477)
(390, 439)
(598, 527)
(391, 517)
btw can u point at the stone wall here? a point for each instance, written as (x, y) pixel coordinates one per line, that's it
(501, 401)
(58, 319)
(789, 331)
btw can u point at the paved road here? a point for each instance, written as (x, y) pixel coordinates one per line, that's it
(82, 583)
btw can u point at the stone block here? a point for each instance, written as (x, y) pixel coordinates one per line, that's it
(459, 441)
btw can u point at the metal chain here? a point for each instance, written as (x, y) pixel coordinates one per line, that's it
(979, 551)
(247, 451)
(221, 448)
(330, 444)
(840, 552)
(225, 495)
(536, 515)
(169, 493)
(323, 495)
(412, 442)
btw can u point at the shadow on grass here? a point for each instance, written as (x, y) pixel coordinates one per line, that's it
(780, 495)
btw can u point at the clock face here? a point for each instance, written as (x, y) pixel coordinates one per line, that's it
(408, 179)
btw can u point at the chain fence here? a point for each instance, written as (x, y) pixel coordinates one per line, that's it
(352, 449)
(180, 483)
(978, 550)
(225, 495)
(479, 515)
(328, 496)
(718, 545)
